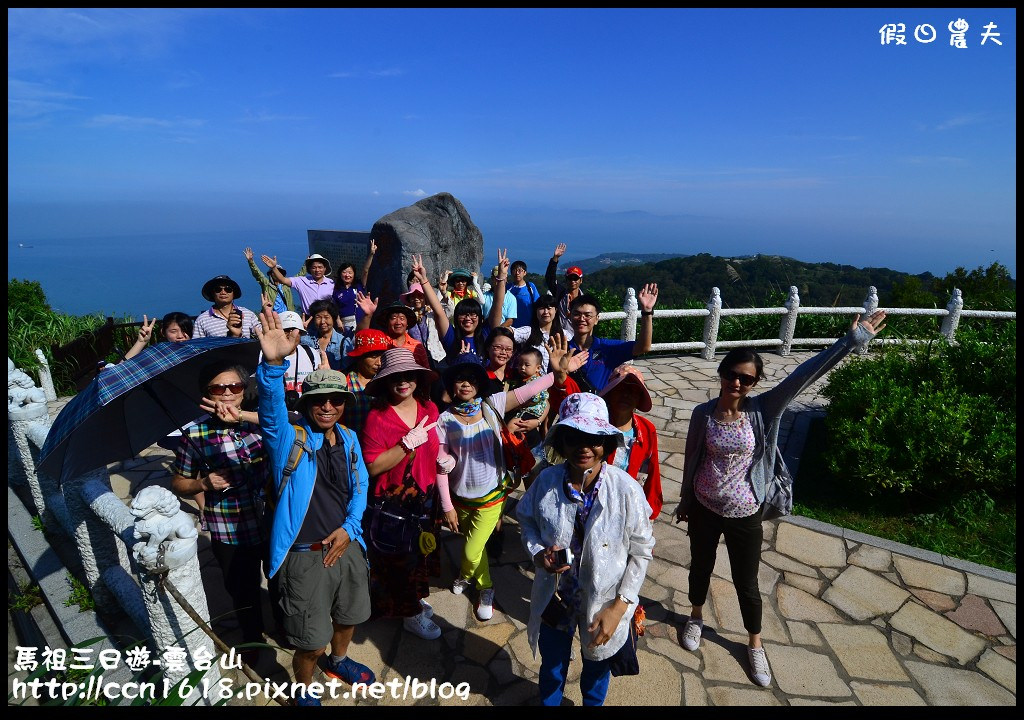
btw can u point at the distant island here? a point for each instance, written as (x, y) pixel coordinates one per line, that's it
(618, 259)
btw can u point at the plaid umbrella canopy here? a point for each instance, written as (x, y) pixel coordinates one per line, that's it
(130, 406)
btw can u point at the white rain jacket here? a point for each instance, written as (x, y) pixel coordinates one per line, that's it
(617, 544)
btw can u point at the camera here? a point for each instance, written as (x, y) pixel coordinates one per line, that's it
(563, 557)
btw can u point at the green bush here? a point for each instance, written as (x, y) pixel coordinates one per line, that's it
(928, 422)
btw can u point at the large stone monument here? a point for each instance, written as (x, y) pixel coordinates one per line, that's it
(437, 227)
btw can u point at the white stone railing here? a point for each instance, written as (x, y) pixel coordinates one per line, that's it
(126, 552)
(789, 312)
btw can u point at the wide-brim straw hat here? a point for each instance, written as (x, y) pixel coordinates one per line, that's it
(220, 280)
(323, 382)
(587, 413)
(321, 258)
(633, 377)
(399, 360)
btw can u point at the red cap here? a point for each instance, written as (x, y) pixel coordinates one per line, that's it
(370, 341)
(574, 270)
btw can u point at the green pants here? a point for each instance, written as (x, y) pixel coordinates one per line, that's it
(477, 526)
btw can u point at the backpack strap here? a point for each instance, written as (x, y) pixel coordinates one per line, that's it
(298, 448)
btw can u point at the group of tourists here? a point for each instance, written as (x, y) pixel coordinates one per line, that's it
(376, 429)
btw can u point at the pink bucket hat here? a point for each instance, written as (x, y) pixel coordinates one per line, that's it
(587, 413)
(414, 288)
(629, 374)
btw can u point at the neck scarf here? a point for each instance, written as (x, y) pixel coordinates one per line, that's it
(469, 408)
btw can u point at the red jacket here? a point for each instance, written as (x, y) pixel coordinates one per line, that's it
(643, 455)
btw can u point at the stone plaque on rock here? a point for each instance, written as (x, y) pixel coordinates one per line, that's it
(339, 247)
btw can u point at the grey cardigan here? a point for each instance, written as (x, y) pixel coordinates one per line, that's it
(764, 412)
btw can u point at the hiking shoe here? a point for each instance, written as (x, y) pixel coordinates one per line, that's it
(759, 670)
(691, 634)
(422, 626)
(485, 607)
(304, 700)
(460, 585)
(348, 670)
(428, 610)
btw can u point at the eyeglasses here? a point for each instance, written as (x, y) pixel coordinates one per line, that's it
(223, 288)
(745, 380)
(503, 349)
(584, 315)
(335, 399)
(218, 390)
(469, 314)
(574, 438)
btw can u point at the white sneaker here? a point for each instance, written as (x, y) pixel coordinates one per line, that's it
(691, 634)
(759, 670)
(460, 585)
(428, 611)
(485, 608)
(422, 626)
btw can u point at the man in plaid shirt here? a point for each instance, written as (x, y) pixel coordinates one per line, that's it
(224, 458)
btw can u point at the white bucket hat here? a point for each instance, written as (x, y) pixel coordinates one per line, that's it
(321, 258)
(585, 412)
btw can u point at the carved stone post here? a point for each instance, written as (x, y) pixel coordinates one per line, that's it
(632, 313)
(167, 547)
(951, 321)
(788, 326)
(94, 540)
(45, 377)
(711, 324)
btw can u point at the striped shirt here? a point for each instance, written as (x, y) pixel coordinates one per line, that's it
(212, 324)
(236, 451)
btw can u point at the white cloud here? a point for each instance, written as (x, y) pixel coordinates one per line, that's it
(387, 72)
(415, 193)
(131, 122)
(27, 100)
(960, 121)
(263, 116)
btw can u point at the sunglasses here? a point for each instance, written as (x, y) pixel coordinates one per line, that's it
(223, 288)
(218, 390)
(745, 380)
(575, 438)
(401, 377)
(335, 399)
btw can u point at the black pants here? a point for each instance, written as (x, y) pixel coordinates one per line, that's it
(242, 567)
(743, 538)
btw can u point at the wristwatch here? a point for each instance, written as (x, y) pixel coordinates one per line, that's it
(625, 599)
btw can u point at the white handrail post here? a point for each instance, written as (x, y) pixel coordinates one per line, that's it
(95, 541)
(788, 326)
(951, 321)
(870, 305)
(45, 376)
(711, 324)
(632, 312)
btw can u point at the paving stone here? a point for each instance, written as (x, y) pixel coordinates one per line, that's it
(450, 608)
(804, 634)
(670, 648)
(1000, 669)
(988, 588)
(724, 661)
(872, 558)
(795, 604)
(799, 671)
(880, 694)
(927, 654)
(482, 644)
(1007, 613)
(694, 694)
(935, 600)
(938, 633)
(1007, 651)
(478, 681)
(808, 701)
(830, 573)
(902, 644)
(974, 614)
(892, 577)
(674, 460)
(809, 547)
(767, 578)
(863, 651)
(917, 573)
(675, 578)
(722, 695)
(785, 564)
(862, 594)
(520, 647)
(954, 686)
(811, 586)
(415, 657)
(640, 691)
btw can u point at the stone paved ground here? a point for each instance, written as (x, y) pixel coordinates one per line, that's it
(848, 619)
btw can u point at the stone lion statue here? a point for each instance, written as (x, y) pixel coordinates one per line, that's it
(167, 535)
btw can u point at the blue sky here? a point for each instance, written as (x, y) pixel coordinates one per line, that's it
(728, 131)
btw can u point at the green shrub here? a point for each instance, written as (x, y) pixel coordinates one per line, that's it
(928, 422)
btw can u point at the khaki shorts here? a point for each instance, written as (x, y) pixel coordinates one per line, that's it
(313, 596)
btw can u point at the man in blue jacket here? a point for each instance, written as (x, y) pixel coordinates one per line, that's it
(316, 542)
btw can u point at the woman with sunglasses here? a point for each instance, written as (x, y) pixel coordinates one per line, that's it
(730, 455)
(225, 458)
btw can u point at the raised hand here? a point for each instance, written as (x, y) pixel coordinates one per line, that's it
(230, 414)
(559, 353)
(373, 246)
(559, 251)
(577, 359)
(873, 324)
(465, 348)
(270, 262)
(248, 253)
(366, 303)
(146, 331)
(503, 263)
(417, 436)
(274, 342)
(648, 296)
(306, 320)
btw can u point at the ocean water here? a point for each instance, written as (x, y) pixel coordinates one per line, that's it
(157, 274)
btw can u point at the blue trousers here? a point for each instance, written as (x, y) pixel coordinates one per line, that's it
(555, 647)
